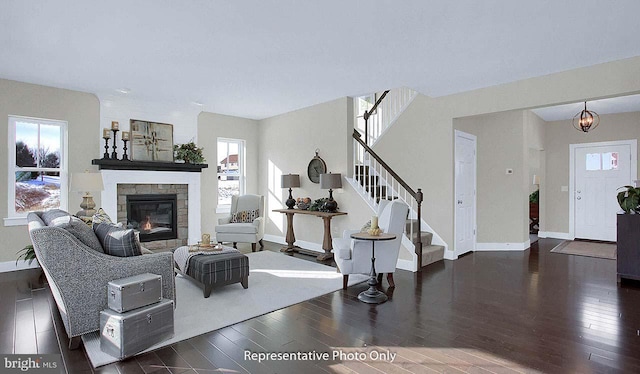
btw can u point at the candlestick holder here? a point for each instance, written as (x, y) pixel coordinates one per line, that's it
(105, 156)
(114, 154)
(124, 156)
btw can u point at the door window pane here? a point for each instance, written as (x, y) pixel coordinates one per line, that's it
(593, 161)
(610, 161)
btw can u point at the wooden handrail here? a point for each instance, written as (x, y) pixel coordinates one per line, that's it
(367, 114)
(356, 136)
(417, 195)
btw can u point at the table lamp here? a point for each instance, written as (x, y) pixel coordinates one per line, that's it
(330, 181)
(289, 181)
(86, 182)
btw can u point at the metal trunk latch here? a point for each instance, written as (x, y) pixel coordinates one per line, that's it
(142, 287)
(149, 318)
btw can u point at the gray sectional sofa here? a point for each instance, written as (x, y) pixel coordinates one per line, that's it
(78, 271)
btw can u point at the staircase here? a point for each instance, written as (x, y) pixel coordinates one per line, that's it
(374, 121)
(374, 186)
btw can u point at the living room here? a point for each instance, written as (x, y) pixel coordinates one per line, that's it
(420, 145)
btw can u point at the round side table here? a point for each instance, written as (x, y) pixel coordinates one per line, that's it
(372, 295)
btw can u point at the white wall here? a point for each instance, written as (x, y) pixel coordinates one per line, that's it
(502, 199)
(420, 145)
(287, 144)
(211, 126)
(81, 111)
(558, 136)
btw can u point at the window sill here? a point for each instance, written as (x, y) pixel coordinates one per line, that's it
(15, 221)
(223, 209)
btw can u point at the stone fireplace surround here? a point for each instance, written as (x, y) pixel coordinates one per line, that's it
(112, 178)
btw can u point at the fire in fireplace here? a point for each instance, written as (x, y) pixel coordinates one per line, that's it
(155, 216)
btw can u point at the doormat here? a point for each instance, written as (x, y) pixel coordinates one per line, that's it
(587, 248)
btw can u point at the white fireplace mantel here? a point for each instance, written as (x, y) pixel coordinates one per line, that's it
(112, 178)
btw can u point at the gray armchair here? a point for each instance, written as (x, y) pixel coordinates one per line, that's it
(243, 232)
(78, 275)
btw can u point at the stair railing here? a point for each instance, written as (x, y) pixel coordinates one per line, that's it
(384, 112)
(379, 181)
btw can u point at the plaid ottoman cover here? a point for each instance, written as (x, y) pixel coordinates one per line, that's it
(219, 270)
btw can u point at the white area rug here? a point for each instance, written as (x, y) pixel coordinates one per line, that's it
(275, 282)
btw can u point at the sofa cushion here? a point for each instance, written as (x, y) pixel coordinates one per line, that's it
(117, 241)
(101, 217)
(80, 230)
(245, 216)
(238, 228)
(52, 214)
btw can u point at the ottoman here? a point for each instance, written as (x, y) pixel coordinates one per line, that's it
(219, 270)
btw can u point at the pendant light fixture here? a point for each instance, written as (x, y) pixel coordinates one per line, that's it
(586, 120)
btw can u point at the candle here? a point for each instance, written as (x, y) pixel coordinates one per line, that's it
(374, 222)
(114, 125)
(106, 134)
(125, 135)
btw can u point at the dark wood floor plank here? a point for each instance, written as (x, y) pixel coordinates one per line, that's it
(25, 330)
(513, 312)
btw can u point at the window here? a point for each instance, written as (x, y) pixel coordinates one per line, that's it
(602, 161)
(231, 171)
(37, 167)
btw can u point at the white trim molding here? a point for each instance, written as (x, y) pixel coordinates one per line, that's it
(555, 235)
(502, 246)
(451, 255)
(9, 266)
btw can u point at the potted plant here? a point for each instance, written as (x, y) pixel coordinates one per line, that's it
(189, 153)
(628, 233)
(26, 254)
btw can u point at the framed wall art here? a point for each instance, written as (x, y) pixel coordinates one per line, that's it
(151, 141)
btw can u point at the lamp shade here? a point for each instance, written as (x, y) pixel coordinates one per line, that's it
(290, 180)
(86, 182)
(330, 181)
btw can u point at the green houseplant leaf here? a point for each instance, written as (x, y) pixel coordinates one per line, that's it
(189, 152)
(629, 199)
(26, 254)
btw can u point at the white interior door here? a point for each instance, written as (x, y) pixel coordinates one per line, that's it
(465, 192)
(600, 169)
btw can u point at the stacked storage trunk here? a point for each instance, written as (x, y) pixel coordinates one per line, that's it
(138, 317)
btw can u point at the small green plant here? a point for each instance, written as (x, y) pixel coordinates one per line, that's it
(26, 254)
(189, 152)
(318, 205)
(629, 199)
(534, 197)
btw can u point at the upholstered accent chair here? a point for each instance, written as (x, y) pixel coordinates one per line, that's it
(245, 223)
(354, 256)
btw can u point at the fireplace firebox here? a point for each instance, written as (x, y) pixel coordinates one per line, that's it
(155, 216)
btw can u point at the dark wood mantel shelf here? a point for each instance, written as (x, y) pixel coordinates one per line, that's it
(147, 165)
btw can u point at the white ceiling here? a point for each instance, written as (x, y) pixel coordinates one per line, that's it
(259, 58)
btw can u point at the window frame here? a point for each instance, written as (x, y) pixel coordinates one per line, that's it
(14, 218)
(242, 170)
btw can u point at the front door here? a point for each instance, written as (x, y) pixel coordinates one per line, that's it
(600, 169)
(465, 193)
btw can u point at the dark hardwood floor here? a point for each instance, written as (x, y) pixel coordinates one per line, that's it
(488, 312)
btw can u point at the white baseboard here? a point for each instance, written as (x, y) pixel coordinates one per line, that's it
(406, 265)
(503, 246)
(300, 243)
(554, 235)
(450, 255)
(21, 265)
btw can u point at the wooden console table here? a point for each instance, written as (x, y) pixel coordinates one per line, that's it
(291, 238)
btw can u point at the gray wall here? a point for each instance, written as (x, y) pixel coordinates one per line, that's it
(82, 112)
